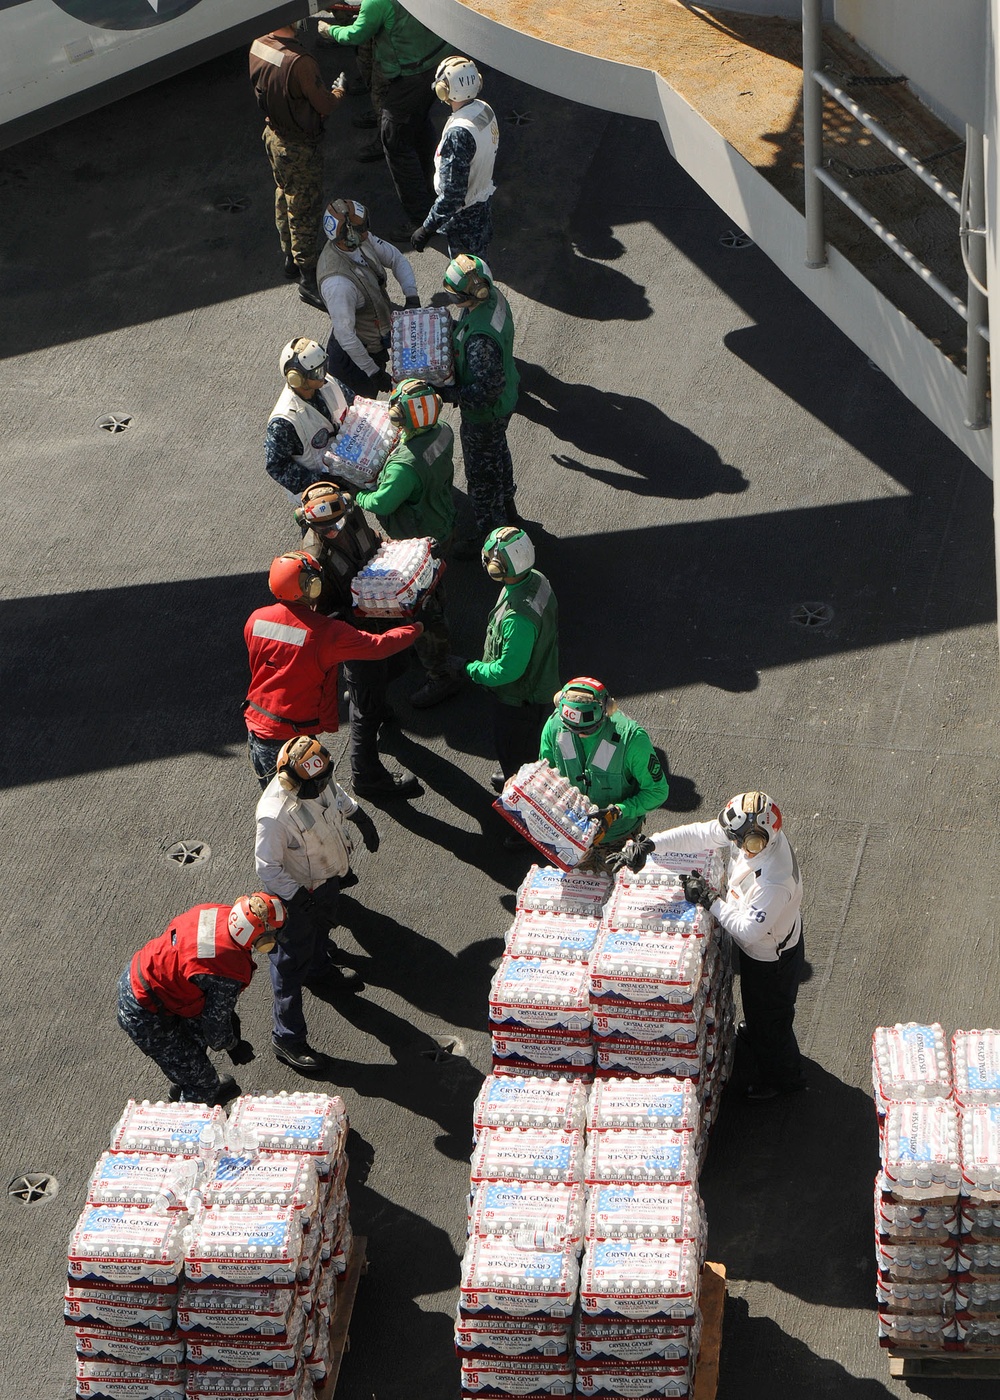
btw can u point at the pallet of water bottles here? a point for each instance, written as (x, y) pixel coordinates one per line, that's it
(550, 813)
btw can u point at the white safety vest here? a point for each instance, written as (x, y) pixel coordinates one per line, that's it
(314, 840)
(313, 429)
(479, 118)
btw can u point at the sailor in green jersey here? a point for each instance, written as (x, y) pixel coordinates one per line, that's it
(521, 655)
(413, 499)
(607, 756)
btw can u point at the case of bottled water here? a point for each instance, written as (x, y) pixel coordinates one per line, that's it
(980, 1223)
(636, 1380)
(641, 1279)
(315, 1124)
(978, 1297)
(550, 813)
(541, 994)
(137, 1348)
(638, 1341)
(524, 1053)
(541, 1214)
(491, 1335)
(527, 1154)
(516, 1376)
(204, 1383)
(144, 1179)
(910, 1062)
(549, 890)
(905, 1222)
(979, 1261)
(978, 1334)
(360, 449)
(648, 1212)
(976, 1064)
(920, 1147)
(265, 1179)
(616, 1058)
(928, 1299)
(657, 909)
(529, 1103)
(397, 579)
(980, 1129)
(100, 1305)
(253, 1245)
(916, 1331)
(649, 1024)
(629, 1157)
(122, 1244)
(500, 1276)
(930, 1263)
(232, 1311)
(421, 345)
(118, 1380)
(638, 966)
(655, 1104)
(664, 867)
(568, 937)
(180, 1129)
(249, 1351)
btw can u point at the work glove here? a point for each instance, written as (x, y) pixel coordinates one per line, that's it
(607, 816)
(241, 1052)
(697, 890)
(448, 393)
(378, 380)
(419, 239)
(411, 303)
(367, 829)
(301, 902)
(632, 855)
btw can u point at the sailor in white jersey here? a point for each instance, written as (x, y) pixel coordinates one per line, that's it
(463, 164)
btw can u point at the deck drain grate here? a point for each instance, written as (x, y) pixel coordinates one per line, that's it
(114, 422)
(232, 206)
(519, 119)
(812, 615)
(447, 1047)
(189, 852)
(732, 239)
(32, 1188)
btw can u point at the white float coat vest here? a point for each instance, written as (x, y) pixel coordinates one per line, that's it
(316, 844)
(311, 426)
(479, 118)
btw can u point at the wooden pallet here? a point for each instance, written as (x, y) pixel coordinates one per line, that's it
(347, 1291)
(713, 1302)
(944, 1366)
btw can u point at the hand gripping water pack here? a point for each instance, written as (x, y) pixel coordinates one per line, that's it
(909, 1062)
(527, 1154)
(569, 937)
(500, 1276)
(121, 1244)
(540, 1214)
(639, 966)
(117, 1380)
(980, 1127)
(653, 1103)
(563, 892)
(643, 1380)
(316, 1124)
(360, 449)
(421, 345)
(144, 1179)
(265, 1179)
(493, 1335)
(630, 1157)
(651, 1212)
(976, 1064)
(514, 1376)
(252, 1245)
(656, 909)
(529, 1103)
(541, 994)
(97, 1305)
(664, 868)
(232, 1311)
(641, 1278)
(181, 1129)
(397, 579)
(638, 1341)
(141, 1348)
(920, 1149)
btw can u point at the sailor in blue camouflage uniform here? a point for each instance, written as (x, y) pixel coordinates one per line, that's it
(486, 386)
(306, 418)
(463, 164)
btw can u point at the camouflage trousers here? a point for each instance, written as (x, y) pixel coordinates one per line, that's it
(489, 471)
(433, 646)
(297, 167)
(172, 1042)
(470, 230)
(372, 74)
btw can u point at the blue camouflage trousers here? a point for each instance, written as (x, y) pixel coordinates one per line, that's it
(172, 1042)
(489, 471)
(470, 230)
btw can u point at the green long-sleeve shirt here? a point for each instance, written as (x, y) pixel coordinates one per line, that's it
(403, 45)
(625, 772)
(517, 641)
(396, 484)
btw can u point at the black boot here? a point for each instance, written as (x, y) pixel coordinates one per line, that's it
(291, 267)
(308, 290)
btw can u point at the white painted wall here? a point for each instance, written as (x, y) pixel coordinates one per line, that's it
(939, 44)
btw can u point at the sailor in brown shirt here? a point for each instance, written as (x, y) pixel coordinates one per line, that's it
(295, 102)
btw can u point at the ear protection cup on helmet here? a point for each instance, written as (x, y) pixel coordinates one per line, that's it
(496, 570)
(749, 819)
(300, 761)
(395, 415)
(295, 577)
(442, 91)
(298, 374)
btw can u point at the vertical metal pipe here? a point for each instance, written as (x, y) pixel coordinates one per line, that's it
(976, 351)
(992, 250)
(812, 130)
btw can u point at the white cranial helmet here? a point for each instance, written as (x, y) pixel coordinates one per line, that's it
(457, 79)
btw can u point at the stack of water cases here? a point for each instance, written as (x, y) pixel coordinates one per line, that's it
(421, 345)
(366, 437)
(521, 1266)
(660, 980)
(204, 1262)
(397, 579)
(937, 1196)
(549, 812)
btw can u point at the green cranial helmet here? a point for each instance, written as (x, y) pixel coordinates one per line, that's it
(508, 554)
(468, 278)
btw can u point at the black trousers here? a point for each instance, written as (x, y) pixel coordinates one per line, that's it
(367, 682)
(342, 367)
(517, 730)
(408, 140)
(769, 990)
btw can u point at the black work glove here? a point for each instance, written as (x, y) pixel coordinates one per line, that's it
(447, 392)
(697, 890)
(367, 829)
(419, 239)
(632, 855)
(411, 303)
(379, 380)
(608, 816)
(301, 902)
(241, 1052)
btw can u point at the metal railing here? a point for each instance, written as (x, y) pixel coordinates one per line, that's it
(970, 206)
